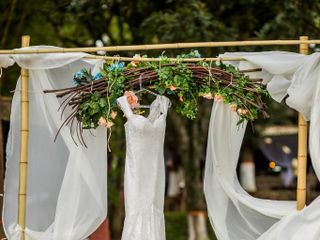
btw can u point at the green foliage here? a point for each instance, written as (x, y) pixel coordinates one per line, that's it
(98, 105)
(177, 226)
(70, 23)
(175, 80)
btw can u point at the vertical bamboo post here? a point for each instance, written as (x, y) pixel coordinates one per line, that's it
(24, 137)
(302, 147)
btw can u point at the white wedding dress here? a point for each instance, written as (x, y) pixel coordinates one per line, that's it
(144, 180)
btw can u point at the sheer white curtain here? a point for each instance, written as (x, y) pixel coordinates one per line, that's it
(6, 61)
(67, 184)
(233, 213)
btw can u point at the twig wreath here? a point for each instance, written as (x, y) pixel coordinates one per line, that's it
(93, 99)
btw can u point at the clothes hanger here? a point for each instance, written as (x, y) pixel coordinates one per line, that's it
(141, 90)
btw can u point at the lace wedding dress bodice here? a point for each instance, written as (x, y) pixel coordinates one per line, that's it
(144, 180)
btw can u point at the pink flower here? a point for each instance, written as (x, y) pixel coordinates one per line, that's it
(135, 60)
(233, 107)
(218, 98)
(113, 114)
(172, 88)
(206, 95)
(109, 124)
(242, 111)
(132, 99)
(102, 121)
(245, 111)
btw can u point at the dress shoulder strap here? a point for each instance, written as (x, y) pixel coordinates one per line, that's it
(165, 104)
(125, 107)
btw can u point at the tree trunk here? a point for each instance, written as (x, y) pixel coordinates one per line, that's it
(190, 138)
(247, 170)
(197, 226)
(115, 180)
(8, 23)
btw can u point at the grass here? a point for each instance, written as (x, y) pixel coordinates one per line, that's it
(177, 226)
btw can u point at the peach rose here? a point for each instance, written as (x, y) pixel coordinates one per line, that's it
(102, 121)
(181, 98)
(172, 88)
(132, 99)
(113, 114)
(135, 60)
(218, 98)
(208, 96)
(109, 124)
(233, 107)
(243, 111)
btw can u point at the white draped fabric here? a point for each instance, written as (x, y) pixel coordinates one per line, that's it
(67, 184)
(6, 61)
(233, 213)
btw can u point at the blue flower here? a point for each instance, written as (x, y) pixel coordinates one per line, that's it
(119, 66)
(197, 54)
(78, 75)
(112, 67)
(97, 76)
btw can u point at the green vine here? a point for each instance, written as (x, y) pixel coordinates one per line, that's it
(95, 97)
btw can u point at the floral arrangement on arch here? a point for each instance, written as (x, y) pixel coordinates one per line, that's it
(94, 97)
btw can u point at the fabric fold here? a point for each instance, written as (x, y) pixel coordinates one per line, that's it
(145, 225)
(234, 214)
(67, 184)
(6, 61)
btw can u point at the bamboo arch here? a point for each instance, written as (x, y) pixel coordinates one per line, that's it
(24, 131)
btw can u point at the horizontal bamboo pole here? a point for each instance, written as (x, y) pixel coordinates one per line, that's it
(162, 46)
(146, 59)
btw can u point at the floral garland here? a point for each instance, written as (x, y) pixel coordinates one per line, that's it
(94, 97)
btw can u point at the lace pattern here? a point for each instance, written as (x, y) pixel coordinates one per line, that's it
(144, 180)
(145, 225)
